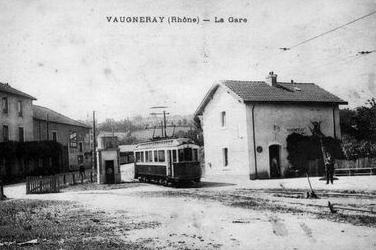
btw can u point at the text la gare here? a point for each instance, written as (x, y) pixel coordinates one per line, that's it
(230, 20)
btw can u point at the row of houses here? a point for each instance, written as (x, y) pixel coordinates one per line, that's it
(245, 125)
(23, 122)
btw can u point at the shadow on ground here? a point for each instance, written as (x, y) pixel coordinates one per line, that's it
(205, 184)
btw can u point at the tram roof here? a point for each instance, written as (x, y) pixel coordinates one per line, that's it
(173, 142)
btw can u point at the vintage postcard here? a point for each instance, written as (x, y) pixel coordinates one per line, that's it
(178, 124)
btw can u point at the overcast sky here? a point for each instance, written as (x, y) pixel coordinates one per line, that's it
(72, 60)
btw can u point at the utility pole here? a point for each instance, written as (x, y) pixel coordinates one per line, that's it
(48, 136)
(164, 122)
(94, 143)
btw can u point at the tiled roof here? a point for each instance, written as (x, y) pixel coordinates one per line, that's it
(252, 91)
(282, 92)
(41, 113)
(5, 87)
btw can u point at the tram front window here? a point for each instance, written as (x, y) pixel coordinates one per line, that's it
(185, 154)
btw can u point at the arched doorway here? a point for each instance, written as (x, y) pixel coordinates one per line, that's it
(274, 161)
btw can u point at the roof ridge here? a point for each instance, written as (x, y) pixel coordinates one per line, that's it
(298, 83)
(5, 87)
(64, 116)
(244, 81)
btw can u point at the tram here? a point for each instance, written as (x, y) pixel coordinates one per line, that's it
(167, 161)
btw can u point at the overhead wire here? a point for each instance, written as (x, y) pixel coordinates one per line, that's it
(284, 50)
(329, 31)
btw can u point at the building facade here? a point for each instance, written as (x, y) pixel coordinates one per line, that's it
(73, 135)
(28, 128)
(246, 123)
(16, 118)
(16, 114)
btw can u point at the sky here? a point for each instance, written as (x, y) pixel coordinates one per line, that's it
(68, 56)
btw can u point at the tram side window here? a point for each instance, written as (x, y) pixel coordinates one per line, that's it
(161, 155)
(142, 156)
(138, 156)
(174, 156)
(195, 155)
(181, 155)
(147, 156)
(155, 156)
(150, 156)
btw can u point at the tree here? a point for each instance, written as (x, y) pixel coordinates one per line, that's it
(366, 121)
(361, 122)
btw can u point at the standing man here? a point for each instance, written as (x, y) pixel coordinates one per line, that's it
(329, 168)
(82, 173)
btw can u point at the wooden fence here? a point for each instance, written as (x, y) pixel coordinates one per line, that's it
(360, 166)
(53, 183)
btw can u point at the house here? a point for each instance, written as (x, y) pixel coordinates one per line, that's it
(246, 123)
(27, 138)
(16, 118)
(73, 135)
(16, 114)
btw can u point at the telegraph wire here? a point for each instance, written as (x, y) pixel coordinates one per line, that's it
(327, 32)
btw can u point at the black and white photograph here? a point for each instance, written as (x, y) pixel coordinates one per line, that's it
(188, 124)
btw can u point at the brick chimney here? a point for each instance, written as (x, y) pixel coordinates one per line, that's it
(271, 79)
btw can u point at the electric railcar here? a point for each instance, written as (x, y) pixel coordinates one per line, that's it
(167, 161)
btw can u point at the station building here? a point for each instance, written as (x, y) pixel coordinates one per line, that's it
(246, 123)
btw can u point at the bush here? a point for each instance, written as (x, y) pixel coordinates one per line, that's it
(302, 149)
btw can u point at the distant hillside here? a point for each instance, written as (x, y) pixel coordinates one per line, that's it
(147, 134)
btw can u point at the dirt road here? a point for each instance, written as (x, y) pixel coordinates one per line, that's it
(223, 216)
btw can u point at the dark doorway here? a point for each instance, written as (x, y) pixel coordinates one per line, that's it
(274, 161)
(110, 175)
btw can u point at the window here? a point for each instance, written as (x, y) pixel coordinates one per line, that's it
(174, 156)
(19, 108)
(225, 157)
(223, 118)
(5, 104)
(138, 156)
(188, 154)
(155, 156)
(5, 133)
(195, 155)
(21, 134)
(185, 154)
(161, 155)
(54, 135)
(79, 146)
(148, 156)
(142, 157)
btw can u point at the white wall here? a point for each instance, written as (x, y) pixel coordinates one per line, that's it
(233, 136)
(107, 155)
(273, 123)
